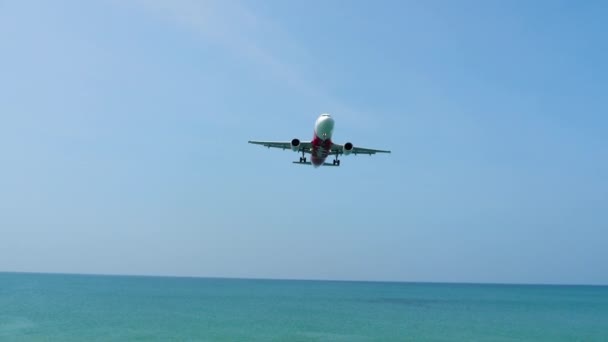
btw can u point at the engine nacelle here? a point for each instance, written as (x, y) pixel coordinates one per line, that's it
(347, 149)
(295, 144)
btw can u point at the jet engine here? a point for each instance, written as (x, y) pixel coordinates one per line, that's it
(295, 144)
(348, 147)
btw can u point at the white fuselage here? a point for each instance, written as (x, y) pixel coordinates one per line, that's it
(324, 127)
(321, 141)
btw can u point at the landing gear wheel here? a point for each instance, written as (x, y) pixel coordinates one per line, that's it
(338, 162)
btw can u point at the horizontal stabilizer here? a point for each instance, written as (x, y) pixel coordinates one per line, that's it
(309, 163)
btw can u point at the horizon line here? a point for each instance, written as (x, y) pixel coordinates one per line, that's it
(303, 279)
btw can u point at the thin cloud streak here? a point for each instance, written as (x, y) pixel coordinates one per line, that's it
(241, 31)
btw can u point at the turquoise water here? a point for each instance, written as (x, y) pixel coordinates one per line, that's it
(42, 307)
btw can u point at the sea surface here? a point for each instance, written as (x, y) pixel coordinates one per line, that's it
(46, 307)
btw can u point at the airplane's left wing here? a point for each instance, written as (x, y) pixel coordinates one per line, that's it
(285, 145)
(339, 149)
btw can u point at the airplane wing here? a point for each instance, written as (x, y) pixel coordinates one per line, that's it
(339, 149)
(285, 145)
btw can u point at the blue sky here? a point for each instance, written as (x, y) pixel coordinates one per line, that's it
(124, 128)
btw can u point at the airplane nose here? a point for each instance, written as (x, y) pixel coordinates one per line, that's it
(324, 126)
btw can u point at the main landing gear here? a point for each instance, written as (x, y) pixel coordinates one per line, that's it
(337, 161)
(303, 158)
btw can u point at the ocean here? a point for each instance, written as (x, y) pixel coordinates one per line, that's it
(56, 307)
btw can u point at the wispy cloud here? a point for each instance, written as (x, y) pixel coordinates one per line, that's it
(238, 29)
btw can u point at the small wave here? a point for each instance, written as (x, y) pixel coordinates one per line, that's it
(14, 325)
(407, 301)
(327, 336)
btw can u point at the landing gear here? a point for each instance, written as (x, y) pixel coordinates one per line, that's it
(303, 158)
(337, 161)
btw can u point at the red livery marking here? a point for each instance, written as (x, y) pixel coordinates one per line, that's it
(320, 150)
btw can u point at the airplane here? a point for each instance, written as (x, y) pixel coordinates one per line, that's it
(321, 146)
